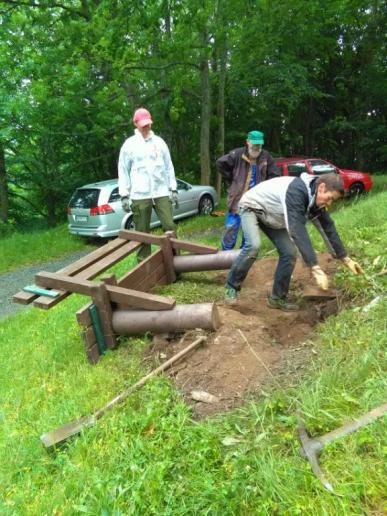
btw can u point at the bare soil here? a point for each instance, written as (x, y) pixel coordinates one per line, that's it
(256, 346)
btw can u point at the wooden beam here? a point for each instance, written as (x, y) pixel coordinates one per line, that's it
(61, 281)
(142, 270)
(101, 300)
(137, 236)
(137, 299)
(125, 296)
(91, 272)
(184, 245)
(76, 267)
(166, 248)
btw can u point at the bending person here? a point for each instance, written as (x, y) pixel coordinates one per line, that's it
(280, 208)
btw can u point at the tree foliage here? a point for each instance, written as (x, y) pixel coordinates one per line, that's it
(310, 74)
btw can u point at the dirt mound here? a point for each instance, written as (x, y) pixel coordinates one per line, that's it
(255, 345)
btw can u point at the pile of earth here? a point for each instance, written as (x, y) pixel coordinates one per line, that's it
(254, 346)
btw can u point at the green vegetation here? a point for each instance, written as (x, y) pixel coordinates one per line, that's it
(37, 246)
(310, 73)
(149, 457)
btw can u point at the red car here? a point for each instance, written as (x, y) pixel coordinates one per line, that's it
(355, 182)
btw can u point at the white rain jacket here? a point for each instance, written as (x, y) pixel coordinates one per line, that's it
(145, 169)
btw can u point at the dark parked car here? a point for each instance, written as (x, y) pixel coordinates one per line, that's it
(95, 209)
(355, 182)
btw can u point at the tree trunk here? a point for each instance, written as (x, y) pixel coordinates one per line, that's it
(221, 90)
(309, 130)
(205, 168)
(3, 188)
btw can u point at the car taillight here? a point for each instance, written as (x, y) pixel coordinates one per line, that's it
(69, 210)
(104, 209)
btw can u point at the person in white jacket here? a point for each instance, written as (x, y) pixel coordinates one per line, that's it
(146, 178)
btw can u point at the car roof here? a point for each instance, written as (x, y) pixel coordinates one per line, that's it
(112, 183)
(295, 158)
(101, 184)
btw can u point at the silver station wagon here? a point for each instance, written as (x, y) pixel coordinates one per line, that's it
(95, 209)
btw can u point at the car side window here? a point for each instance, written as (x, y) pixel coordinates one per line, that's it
(181, 185)
(280, 170)
(114, 196)
(296, 169)
(321, 167)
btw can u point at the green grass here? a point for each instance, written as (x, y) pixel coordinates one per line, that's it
(22, 249)
(149, 457)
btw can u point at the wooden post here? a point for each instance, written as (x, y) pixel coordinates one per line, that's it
(88, 335)
(166, 249)
(101, 300)
(109, 279)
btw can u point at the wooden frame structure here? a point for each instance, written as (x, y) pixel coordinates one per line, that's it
(109, 294)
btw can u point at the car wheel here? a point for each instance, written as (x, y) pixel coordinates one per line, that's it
(206, 205)
(356, 189)
(129, 224)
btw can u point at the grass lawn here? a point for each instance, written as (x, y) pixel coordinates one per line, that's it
(22, 249)
(148, 456)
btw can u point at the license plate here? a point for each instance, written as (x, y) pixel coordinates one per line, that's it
(78, 218)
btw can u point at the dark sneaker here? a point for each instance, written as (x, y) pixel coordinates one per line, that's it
(230, 295)
(281, 304)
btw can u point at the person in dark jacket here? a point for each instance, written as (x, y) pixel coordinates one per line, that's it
(242, 169)
(280, 208)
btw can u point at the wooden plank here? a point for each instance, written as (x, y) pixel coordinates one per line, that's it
(143, 269)
(93, 355)
(109, 279)
(83, 316)
(142, 300)
(61, 281)
(184, 245)
(91, 347)
(89, 337)
(90, 273)
(150, 281)
(137, 236)
(121, 295)
(23, 298)
(76, 267)
(158, 278)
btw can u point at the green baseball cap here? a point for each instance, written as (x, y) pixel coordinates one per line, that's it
(256, 138)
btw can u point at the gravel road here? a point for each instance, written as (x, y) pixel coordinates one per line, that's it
(12, 282)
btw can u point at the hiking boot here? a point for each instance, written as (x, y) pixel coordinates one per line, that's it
(230, 295)
(281, 304)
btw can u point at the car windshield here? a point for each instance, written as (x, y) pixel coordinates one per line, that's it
(85, 198)
(320, 167)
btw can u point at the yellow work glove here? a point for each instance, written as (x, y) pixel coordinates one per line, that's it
(352, 265)
(320, 277)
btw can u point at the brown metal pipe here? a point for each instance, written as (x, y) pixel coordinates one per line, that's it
(204, 262)
(181, 317)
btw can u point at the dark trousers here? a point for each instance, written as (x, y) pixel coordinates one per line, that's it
(286, 249)
(142, 212)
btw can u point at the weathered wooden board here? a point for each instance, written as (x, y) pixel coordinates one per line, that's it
(137, 236)
(168, 254)
(90, 273)
(143, 269)
(126, 296)
(75, 268)
(184, 245)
